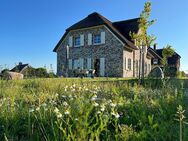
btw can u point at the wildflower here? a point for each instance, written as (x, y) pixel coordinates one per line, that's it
(112, 104)
(102, 108)
(38, 108)
(115, 114)
(63, 96)
(65, 104)
(59, 115)
(67, 112)
(74, 85)
(56, 110)
(44, 104)
(31, 110)
(110, 101)
(98, 112)
(76, 119)
(94, 98)
(96, 104)
(56, 95)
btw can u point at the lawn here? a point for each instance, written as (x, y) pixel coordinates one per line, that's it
(91, 109)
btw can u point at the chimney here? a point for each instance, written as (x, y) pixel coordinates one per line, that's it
(155, 46)
(20, 63)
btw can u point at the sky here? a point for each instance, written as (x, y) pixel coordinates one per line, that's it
(30, 29)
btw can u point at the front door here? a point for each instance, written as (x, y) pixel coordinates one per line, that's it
(97, 67)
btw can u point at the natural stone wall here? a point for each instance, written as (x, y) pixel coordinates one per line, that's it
(112, 51)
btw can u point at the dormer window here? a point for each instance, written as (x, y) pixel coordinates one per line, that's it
(77, 41)
(97, 39)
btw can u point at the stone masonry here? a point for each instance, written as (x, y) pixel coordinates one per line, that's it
(114, 52)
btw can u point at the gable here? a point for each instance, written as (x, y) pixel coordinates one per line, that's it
(96, 19)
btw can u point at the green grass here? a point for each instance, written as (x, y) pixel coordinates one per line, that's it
(91, 109)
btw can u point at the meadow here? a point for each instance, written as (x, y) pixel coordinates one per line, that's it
(93, 109)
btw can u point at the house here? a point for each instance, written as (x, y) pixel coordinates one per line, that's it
(24, 69)
(104, 46)
(173, 61)
(20, 68)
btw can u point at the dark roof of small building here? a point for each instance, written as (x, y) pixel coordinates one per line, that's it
(160, 51)
(120, 29)
(171, 60)
(19, 67)
(154, 53)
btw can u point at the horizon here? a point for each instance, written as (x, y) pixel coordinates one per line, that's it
(29, 36)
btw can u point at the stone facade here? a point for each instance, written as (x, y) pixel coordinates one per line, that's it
(113, 51)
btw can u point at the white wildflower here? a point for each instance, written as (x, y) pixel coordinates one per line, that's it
(59, 115)
(98, 112)
(67, 112)
(112, 104)
(96, 104)
(76, 119)
(56, 110)
(65, 103)
(31, 110)
(110, 101)
(102, 108)
(63, 96)
(56, 94)
(38, 108)
(44, 104)
(115, 114)
(94, 98)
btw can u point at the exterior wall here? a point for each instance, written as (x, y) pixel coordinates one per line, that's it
(112, 51)
(149, 66)
(135, 57)
(127, 54)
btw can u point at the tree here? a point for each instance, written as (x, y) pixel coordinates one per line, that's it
(142, 39)
(144, 23)
(167, 52)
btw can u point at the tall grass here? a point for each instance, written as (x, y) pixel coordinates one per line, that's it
(89, 109)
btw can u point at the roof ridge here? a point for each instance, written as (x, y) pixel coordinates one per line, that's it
(126, 20)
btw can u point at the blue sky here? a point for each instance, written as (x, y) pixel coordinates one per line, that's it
(29, 29)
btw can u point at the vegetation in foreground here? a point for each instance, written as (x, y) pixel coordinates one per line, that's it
(85, 109)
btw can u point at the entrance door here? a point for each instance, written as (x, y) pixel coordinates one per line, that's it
(97, 67)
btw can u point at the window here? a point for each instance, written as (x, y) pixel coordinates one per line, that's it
(125, 63)
(97, 39)
(77, 41)
(76, 64)
(145, 68)
(137, 68)
(129, 64)
(155, 61)
(85, 64)
(149, 68)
